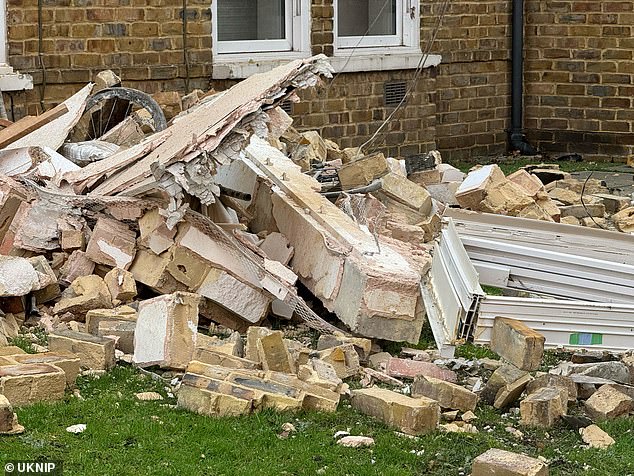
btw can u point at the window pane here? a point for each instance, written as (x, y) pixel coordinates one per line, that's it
(366, 17)
(251, 20)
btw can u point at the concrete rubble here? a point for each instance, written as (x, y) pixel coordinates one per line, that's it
(197, 252)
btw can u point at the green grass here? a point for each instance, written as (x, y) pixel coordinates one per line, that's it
(125, 436)
(511, 164)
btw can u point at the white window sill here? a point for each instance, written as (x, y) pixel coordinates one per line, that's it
(380, 59)
(12, 80)
(240, 66)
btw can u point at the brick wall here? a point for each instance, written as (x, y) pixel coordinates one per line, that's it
(351, 108)
(579, 73)
(141, 40)
(473, 83)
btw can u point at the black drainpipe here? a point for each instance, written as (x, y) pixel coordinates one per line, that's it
(517, 139)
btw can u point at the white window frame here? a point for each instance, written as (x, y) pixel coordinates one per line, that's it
(262, 46)
(372, 40)
(370, 55)
(240, 59)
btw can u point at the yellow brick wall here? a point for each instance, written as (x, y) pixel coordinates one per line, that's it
(578, 70)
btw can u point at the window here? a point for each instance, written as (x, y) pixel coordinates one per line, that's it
(369, 23)
(377, 23)
(378, 35)
(258, 26)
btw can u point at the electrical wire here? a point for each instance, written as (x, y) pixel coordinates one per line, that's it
(583, 189)
(185, 49)
(354, 49)
(40, 53)
(412, 85)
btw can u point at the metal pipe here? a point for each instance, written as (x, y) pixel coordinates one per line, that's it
(517, 139)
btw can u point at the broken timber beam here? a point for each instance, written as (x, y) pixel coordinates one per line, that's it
(28, 124)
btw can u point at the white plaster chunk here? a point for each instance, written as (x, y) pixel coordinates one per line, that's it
(17, 276)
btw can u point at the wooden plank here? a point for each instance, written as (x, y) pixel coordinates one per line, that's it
(30, 123)
(6, 122)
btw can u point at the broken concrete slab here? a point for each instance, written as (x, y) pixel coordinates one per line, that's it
(121, 285)
(375, 294)
(406, 368)
(497, 462)
(273, 353)
(363, 171)
(473, 190)
(122, 332)
(550, 380)
(277, 248)
(413, 416)
(343, 358)
(501, 377)
(596, 210)
(95, 316)
(608, 403)
(154, 233)
(96, 353)
(613, 203)
(70, 363)
(361, 345)
(24, 384)
(166, 330)
(112, 243)
(516, 342)
(624, 220)
(448, 395)
(84, 294)
(528, 182)
(544, 407)
(511, 392)
(595, 437)
(208, 355)
(405, 192)
(320, 373)
(77, 265)
(8, 419)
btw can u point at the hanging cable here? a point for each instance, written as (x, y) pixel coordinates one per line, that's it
(417, 73)
(185, 49)
(40, 53)
(354, 49)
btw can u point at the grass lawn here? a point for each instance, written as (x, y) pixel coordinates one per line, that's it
(125, 437)
(509, 164)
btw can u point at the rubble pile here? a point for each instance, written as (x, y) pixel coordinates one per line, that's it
(126, 246)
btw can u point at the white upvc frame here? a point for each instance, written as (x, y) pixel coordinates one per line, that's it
(257, 56)
(407, 35)
(372, 40)
(261, 46)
